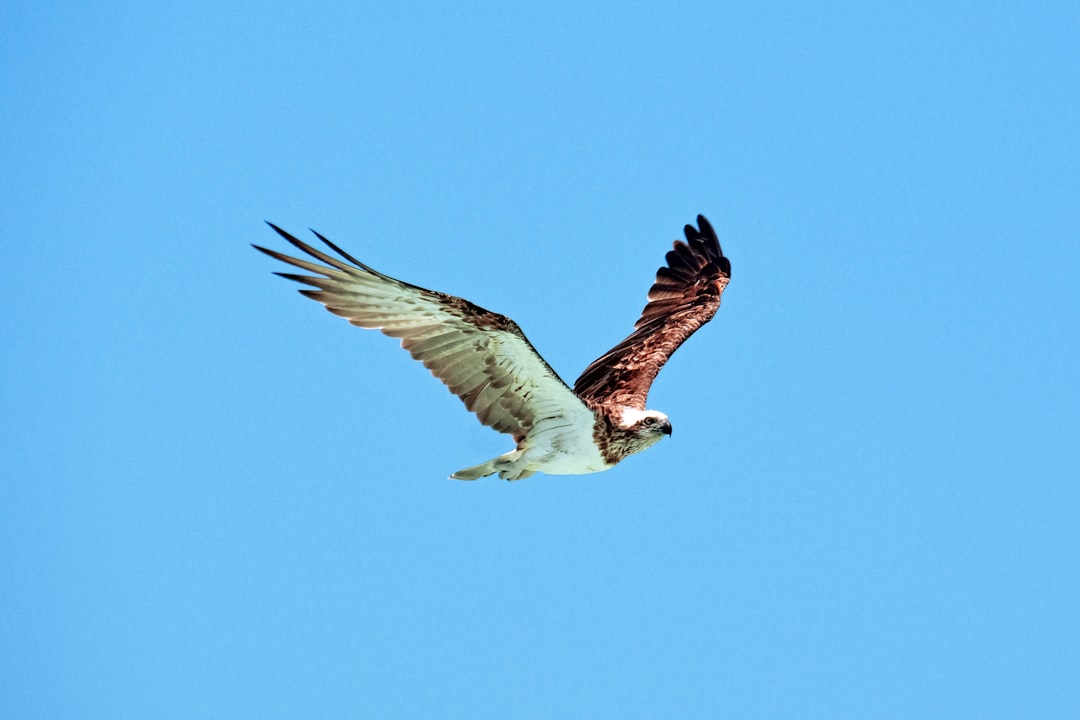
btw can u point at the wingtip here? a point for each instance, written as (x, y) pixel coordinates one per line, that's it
(329, 244)
(283, 233)
(704, 229)
(344, 254)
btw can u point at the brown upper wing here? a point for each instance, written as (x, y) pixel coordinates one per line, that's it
(684, 297)
(483, 357)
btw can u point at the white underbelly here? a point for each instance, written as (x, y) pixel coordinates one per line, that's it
(564, 451)
(576, 465)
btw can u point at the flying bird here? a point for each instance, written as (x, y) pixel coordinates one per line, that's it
(486, 360)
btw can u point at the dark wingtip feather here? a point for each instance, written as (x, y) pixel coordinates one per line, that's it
(338, 250)
(305, 279)
(705, 236)
(706, 227)
(274, 254)
(354, 261)
(279, 231)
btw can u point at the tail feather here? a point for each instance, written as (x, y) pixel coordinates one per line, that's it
(477, 471)
(506, 465)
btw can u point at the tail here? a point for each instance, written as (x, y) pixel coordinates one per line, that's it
(504, 465)
(477, 471)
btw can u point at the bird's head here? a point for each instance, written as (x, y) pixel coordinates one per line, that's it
(649, 425)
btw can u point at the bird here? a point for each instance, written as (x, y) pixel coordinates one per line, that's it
(485, 359)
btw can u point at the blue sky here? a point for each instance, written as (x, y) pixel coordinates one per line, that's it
(220, 501)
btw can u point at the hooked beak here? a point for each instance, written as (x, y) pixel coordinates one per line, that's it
(666, 428)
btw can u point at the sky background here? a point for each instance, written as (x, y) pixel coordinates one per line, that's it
(220, 501)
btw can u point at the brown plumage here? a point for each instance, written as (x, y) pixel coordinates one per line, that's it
(486, 360)
(684, 297)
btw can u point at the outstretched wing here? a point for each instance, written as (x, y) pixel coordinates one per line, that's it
(483, 357)
(684, 297)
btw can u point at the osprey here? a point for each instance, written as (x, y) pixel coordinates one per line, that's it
(486, 360)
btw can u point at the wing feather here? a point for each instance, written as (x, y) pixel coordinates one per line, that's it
(684, 297)
(483, 357)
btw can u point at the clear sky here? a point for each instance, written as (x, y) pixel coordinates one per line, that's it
(217, 500)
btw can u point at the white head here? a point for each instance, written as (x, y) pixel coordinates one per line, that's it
(652, 422)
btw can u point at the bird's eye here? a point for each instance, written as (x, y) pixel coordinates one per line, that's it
(649, 421)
